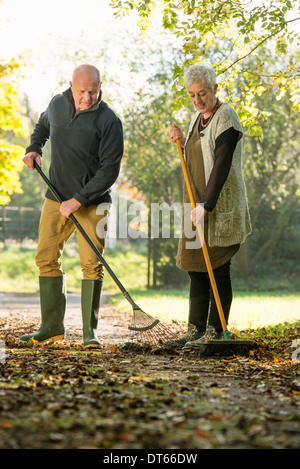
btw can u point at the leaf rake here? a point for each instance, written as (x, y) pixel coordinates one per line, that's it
(148, 331)
(144, 328)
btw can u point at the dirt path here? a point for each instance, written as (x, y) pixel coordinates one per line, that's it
(59, 396)
(25, 309)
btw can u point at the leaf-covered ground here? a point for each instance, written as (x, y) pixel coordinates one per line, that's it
(58, 396)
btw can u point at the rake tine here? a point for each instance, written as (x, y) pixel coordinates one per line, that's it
(144, 328)
(153, 334)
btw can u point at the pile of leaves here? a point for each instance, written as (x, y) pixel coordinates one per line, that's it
(59, 396)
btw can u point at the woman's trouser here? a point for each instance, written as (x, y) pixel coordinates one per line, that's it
(202, 300)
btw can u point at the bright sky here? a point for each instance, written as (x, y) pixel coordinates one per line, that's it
(52, 31)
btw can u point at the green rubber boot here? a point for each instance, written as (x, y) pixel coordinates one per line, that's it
(53, 306)
(90, 304)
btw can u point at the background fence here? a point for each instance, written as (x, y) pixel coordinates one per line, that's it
(19, 223)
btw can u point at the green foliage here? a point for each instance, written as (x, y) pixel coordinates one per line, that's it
(20, 274)
(272, 178)
(152, 164)
(153, 167)
(277, 338)
(271, 164)
(33, 187)
(12, 124)
(234, 32)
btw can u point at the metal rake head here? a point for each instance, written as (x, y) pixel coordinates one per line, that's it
(147, 330)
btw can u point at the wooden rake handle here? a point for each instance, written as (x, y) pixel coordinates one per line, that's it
(201, 235)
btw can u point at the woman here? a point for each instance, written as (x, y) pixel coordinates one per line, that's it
(213, 152)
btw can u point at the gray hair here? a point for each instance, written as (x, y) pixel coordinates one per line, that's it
(201, 72)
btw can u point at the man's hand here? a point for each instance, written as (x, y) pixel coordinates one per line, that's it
(30, 157)
(69, 206)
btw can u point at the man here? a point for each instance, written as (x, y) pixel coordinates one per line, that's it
(86, 140)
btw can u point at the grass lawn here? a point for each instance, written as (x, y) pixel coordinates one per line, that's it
(251, 309)
(19, 273)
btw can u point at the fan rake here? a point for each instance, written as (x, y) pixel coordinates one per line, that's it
(144, 328)
(148, 331)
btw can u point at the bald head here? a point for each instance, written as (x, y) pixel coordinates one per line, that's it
(87, 70)
(85, 86)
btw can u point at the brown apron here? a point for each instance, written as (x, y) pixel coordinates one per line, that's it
(192, 259)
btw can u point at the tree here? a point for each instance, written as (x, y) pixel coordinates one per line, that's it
(272, 178)
(153, 167)
(12, 126)
(243, 28)
(33, 187)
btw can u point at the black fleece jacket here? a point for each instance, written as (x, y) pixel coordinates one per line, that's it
(86, 149)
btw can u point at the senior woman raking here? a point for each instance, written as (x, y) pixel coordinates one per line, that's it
(213, 155)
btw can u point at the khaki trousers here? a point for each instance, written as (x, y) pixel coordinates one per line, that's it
(55, 230)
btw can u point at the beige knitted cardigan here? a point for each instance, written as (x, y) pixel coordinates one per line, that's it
(229, 223)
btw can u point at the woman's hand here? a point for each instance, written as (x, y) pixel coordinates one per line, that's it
(197, 215)
(176, 133)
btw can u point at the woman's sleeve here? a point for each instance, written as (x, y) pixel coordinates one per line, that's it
(224, 149)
